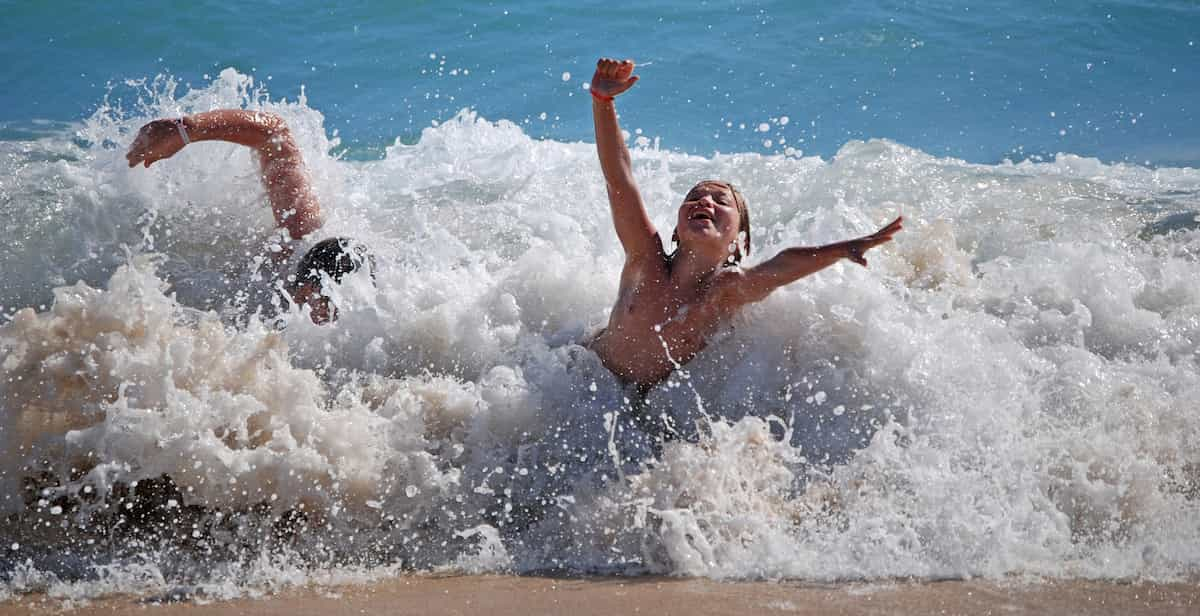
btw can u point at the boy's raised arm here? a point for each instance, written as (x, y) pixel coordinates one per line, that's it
(634, 229)
(292, 200)
(793, 264)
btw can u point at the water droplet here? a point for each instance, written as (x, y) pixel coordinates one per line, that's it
(566, 76)
(411, 491)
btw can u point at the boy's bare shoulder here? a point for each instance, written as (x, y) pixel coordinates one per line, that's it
(727, 279)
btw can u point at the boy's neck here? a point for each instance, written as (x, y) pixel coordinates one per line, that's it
(690, 269)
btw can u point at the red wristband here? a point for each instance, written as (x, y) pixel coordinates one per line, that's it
(601, 97)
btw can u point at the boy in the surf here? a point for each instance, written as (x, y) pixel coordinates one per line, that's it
(288, 189)
(669, 303)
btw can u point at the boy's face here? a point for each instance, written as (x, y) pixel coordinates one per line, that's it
(322, 310)
(708, 218)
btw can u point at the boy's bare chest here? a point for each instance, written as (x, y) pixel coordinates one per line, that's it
(658, 307)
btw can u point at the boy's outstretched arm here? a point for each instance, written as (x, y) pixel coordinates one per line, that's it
(634, 229)
(792, 264)
(292, 200)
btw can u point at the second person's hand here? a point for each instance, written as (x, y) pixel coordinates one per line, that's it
(155, 141)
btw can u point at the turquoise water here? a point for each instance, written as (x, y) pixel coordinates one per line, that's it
(1115, 80)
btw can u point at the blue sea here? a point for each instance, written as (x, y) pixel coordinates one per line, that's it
(983, 82)
(1007, 391)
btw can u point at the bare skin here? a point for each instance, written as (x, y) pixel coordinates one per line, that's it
(668, 305)
(281, 164)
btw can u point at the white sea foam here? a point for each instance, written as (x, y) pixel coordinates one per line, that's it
(1008, 387)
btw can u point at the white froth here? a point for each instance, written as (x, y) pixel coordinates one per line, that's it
(1007, 389)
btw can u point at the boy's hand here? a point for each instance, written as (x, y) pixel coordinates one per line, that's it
(856, 248)
(157, 140)
(612, 77)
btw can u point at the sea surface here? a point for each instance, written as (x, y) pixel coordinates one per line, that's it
(1008, 390)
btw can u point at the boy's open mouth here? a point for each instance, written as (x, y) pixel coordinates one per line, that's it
(701, 215)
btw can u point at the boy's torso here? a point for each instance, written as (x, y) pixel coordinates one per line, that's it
(654, 314)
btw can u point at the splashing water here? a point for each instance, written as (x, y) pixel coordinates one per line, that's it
(1006, 390)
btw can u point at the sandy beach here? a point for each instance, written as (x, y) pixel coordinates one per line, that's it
(499, 595)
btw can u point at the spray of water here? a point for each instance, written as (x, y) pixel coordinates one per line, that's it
(1006, 390)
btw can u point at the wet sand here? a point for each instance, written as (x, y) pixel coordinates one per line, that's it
(496, 595)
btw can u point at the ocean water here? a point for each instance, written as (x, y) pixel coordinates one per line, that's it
(983, 82)
(1008, 390)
